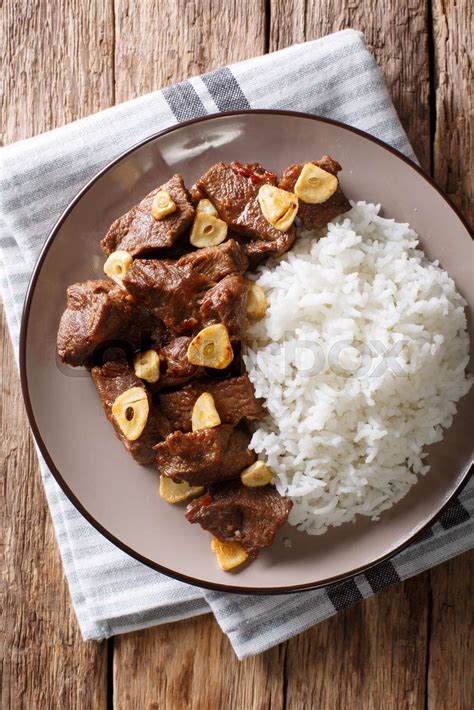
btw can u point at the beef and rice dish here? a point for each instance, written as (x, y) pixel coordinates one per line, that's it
(195, 342)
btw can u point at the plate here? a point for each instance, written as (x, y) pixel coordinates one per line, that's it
(119, 497)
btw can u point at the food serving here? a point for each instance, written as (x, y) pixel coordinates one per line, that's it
(184, 344)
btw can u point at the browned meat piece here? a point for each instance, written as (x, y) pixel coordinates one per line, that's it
(168, 289)
(111, 380)
(214, 263)
(317, 216)
(230, 187)
(204, 456)
(138, 232)
(234, 399)
(98, 312)
(233, 512)
(257, 250)
(175, 366)
(226, 303)
(233, 189)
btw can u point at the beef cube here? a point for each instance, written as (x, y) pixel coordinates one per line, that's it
(98, 312)
(233, 512)
(204, 456)
(234, 399)
(256, 250)
(231, 187)
(167, 289)
(317, 216)
(176, 370)
(233, 190)
(111, 380)
(138, 232)
(226, 303)
(214, 263)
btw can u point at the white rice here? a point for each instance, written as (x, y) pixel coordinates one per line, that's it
(361, 358)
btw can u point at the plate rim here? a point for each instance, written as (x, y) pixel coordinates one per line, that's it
(214, 586)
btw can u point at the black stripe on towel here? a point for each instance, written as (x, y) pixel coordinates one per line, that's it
(426, 535)
(184, 101)
(382, 576)
(344, 594)
(225, 90)
(454, 515)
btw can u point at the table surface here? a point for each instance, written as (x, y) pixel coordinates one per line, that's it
(407, 647)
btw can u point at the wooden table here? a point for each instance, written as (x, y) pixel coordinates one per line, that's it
(408, 646)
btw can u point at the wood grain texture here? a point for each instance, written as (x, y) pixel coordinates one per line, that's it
(191, 666)
(162, 43)
(58, 68)
(407, 647)
(396, 31)
(450, 677)
(453, 150)
(60, 63)
(45, 662)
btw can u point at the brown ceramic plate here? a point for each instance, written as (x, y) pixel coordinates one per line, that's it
(121, 498)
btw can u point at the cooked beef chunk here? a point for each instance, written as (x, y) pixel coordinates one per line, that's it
(204, 456)
(257, 250)
(234, 399)
(169, 290)
(317, 216)
(233, 512)
(175, 367)
(226, 303)
(138, 232)
(214, 263)
(111, 380)
(233, 189)
(98, 312)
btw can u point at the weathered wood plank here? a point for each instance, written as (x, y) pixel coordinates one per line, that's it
(450, 678)
(397, 34)
(190, 666)
(162, 43)
(453, 153)
(58, 63)
(449, 673)
(46, 664)
(58, 67)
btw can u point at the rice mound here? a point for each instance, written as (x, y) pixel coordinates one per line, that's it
(361, 359)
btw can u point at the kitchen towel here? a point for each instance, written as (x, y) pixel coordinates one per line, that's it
(112, 593)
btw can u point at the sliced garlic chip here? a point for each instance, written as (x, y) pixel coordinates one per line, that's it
(208, 230)
(117, 266)
(174, 492)
(258, 474)
(315, 185)
(205, 414)
(162, 205)
(207, 207)
(130, 411)
(279, 206)
(257, 303)
(147, 366)
(228, 554)
(211, 347)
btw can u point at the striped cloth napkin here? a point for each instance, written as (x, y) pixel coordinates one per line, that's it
(112, 593)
